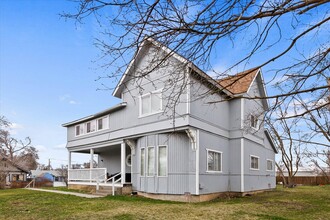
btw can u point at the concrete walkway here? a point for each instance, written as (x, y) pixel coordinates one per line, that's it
(67, 193)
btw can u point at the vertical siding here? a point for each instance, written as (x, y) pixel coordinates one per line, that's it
(179, 171)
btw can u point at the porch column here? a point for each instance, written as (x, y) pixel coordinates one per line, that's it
(122, 162)
(69, 161)
(91, 164)
(92, 158)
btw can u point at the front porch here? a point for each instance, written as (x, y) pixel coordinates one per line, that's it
(111, 171)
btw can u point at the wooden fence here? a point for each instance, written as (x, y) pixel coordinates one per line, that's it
(307, 180)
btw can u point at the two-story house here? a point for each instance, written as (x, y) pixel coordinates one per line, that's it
(177, 134)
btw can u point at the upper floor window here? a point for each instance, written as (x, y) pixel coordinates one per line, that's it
(102, 123)
(92, 126)
(151, 103)
(254, 121)
(214, 161)
(254, 162)
(269, 165)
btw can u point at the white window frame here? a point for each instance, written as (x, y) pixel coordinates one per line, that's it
(81, 130)
(256, 121)
(147, 160)
(166, 172)
(150, 94)
(144, 161)
(251, 162)
(269, 160)
(104, 125)
(207, 161)
(91, 127)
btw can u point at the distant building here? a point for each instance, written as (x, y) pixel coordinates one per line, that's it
(53, 176)
(11, 172)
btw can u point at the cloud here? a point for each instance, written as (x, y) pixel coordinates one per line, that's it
(68, 99)
(15, 127)
(40, 148)
(60, 147)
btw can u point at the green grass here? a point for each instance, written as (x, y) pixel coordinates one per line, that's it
(298, 203)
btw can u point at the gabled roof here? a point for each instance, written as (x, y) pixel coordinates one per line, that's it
(241, 82)
(270, 139)
(96, 115)
(232, 86)
(13, 164)
(125, 77)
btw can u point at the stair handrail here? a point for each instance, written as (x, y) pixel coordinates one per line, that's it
(98, 181)
(32, 181)
(114, 182)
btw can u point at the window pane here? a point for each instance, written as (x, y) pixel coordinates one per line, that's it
(81, 129)
(269, 165)
(213, 161)
(254, 163)
(77, 130)
(88, 125)
(142, 162)
(151, 161)
(146, 108)
(162, 161)
(93, 125)
(156, 102)
(100, 124)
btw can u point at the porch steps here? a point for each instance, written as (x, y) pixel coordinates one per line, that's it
(105, 191)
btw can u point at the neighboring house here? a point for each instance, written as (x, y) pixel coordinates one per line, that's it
(53, 176)
(209, 145)
(11, 172)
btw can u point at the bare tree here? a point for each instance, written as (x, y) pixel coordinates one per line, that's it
(270, 32)
(19, 152)
(287, 139)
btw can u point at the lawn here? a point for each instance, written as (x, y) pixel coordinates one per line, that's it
(298, 203)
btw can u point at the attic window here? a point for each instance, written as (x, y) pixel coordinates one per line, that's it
(151, 103)
(254, 121)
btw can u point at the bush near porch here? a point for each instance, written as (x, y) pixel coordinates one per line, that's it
(305, 202)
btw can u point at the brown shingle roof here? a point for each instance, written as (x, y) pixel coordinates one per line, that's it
(240, 82)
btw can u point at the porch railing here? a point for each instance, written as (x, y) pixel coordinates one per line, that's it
(87, 175)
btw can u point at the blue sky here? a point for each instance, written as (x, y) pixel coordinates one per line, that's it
(47, 76)
(47, 73)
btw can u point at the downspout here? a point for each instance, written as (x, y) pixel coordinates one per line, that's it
(194, 139)
(242, 145)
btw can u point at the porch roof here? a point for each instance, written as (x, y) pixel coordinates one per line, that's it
(102, 113)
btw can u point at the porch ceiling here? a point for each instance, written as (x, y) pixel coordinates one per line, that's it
(97, 150)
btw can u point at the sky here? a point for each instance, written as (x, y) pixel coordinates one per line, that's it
(47, 74)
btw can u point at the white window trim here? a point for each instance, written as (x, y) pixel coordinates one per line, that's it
(144, 167)
(207, 162)
(84, 125)
(166, 160)
(151, 113)
(147, 160)
(272, 165)
(251, 161)
(103, 125)
(258, 122)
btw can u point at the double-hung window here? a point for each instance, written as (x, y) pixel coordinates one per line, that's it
(254, 162)
(151, 103)
(214, 161)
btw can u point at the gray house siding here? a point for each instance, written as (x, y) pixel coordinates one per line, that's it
(213, 181)
(235, 163)
(261, 178)
(179, 161)
(201, 109)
